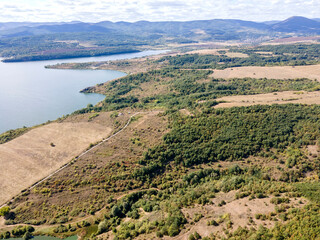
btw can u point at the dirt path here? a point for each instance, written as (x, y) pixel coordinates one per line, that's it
(65, 135)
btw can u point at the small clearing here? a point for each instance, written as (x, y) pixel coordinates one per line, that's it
(270, 98)
(276, 72)
(238, 211)
(34, 155)
(216, 52)
(207, 51)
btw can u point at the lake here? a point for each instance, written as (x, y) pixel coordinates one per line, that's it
(31, 94)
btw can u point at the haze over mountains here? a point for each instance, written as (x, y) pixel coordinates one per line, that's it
(220, 29)
(58, 40)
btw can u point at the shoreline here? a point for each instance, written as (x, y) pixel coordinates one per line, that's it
(14, 132)
(48, 58)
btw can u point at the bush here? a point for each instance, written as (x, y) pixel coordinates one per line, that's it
(4, 211)
(191, 237)
(279, 200)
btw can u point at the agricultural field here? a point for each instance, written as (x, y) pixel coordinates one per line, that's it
(286, 97)
(44, 149)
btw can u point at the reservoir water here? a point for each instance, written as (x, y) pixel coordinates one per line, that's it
(31, 94)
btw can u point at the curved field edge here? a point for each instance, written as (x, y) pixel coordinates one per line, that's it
(40, 151)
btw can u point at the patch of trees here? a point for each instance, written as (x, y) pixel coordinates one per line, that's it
(11, 134)
(303, 51)
(20, 231)
(69, 53)
(66, 45)
(189, 89)
(233, 134)
(290, 55)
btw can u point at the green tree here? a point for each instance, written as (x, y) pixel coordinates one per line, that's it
(4, 211)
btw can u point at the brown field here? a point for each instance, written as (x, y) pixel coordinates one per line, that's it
(207, 51)
(30, 157)
(276, 72)
(215, 52)
(237, 55)
(292, 40)
(270, 98)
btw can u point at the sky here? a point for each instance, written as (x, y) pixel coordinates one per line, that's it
(151, 10)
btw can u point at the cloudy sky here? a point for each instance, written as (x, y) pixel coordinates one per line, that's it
(152, 10)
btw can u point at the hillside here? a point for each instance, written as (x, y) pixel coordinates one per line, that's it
(299, 25)
(45, 41)
(183, 167)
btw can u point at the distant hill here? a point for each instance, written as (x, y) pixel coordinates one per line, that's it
(217, 29)
(271, 22)
(39, 41)
(298, 25)
(30, 29)
(202, 30)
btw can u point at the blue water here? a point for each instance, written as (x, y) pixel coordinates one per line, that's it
(31, 94)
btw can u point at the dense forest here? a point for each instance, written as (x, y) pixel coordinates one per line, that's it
(66, 45)
(282, 55)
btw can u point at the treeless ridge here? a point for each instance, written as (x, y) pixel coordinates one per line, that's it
(270, 98)
(276, 72)
(34, 155)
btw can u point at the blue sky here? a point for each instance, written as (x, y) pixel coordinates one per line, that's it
(161, 10)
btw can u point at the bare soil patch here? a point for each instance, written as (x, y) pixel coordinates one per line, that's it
(238, 211)
(36, 154)
(276, 72)
(207, 51)
(237, 55)
(270, 98)
(216, 52)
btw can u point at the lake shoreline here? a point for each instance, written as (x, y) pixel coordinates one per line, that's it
(12, 131)
(37, 58)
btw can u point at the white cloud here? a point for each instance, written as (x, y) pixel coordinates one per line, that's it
(152, 10)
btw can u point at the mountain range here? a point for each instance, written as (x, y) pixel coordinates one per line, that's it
(203, 29)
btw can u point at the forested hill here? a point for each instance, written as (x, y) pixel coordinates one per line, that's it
(42, 41)
(211, 29)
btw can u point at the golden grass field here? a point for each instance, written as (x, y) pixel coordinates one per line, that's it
(270, 98)
(216, 52)
(30, 157)
(276, 72)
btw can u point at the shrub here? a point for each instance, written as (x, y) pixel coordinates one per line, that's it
(4, 211)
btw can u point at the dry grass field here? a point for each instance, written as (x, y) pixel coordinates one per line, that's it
(276, 72)
(207, 51)
(270, 98)
(216, 52)
(239, 211)
(41, 151)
